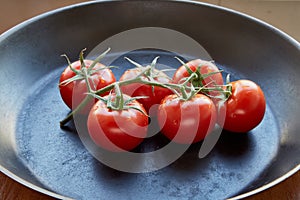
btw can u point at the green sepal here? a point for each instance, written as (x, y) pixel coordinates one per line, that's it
(97, 97)
(81, 58)
(74, 78)
(138, 109)
(97, 60)
(185, 65)
(133, 62)
(70, 64)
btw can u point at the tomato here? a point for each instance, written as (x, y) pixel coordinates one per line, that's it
(154, 94)
(205, 67)
(74, 92)
(117, 130)
(188, 121)
(244, 109)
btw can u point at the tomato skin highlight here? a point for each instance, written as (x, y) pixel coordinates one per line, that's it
(186, 122)
(74, 92)
(154, 93)
(117, 130)
(245, 109)
(206, 67)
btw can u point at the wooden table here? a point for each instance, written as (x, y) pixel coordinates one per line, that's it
(288, 189)
(14, 12)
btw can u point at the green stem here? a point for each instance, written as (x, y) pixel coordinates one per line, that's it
(191, 77)
(136, 80)
(121, 83)
(76, 110)
(86, 78)
(119, 98)
(228, 91)
(184, 93)
(173, 87)
(89, 98)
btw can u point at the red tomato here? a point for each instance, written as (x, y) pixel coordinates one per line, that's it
(117, 130)
(205, 68)
(188, 121)
(154, 93)
(74, 92)
(244, 109)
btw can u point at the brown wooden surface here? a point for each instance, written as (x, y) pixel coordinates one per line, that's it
(286, 190)
(13, 12)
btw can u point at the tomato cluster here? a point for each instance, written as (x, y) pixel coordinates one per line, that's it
(187, 106)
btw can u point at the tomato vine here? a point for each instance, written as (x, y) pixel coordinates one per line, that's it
(196, 89)
(185, 90)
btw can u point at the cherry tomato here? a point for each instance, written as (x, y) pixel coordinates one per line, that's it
(74, 92)
(117, 130)
(205, 68)
(154, 94)
(244, 109)
(188, 121)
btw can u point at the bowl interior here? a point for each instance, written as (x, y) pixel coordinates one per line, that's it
(34, 148)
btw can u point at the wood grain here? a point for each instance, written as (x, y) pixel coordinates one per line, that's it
(287, 190)
(11, 190)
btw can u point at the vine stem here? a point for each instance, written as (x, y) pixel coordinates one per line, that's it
(106, 89)
(178, 89)
(171, 86)
(69, 117)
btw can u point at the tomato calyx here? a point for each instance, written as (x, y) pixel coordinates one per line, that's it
(84, 72)
(188, 92)
(147, 75)
(198, 81)
(194, 83)
(150, 72)
(116, 100)
(225, 91)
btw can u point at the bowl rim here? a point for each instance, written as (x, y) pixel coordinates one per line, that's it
(36, 18)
